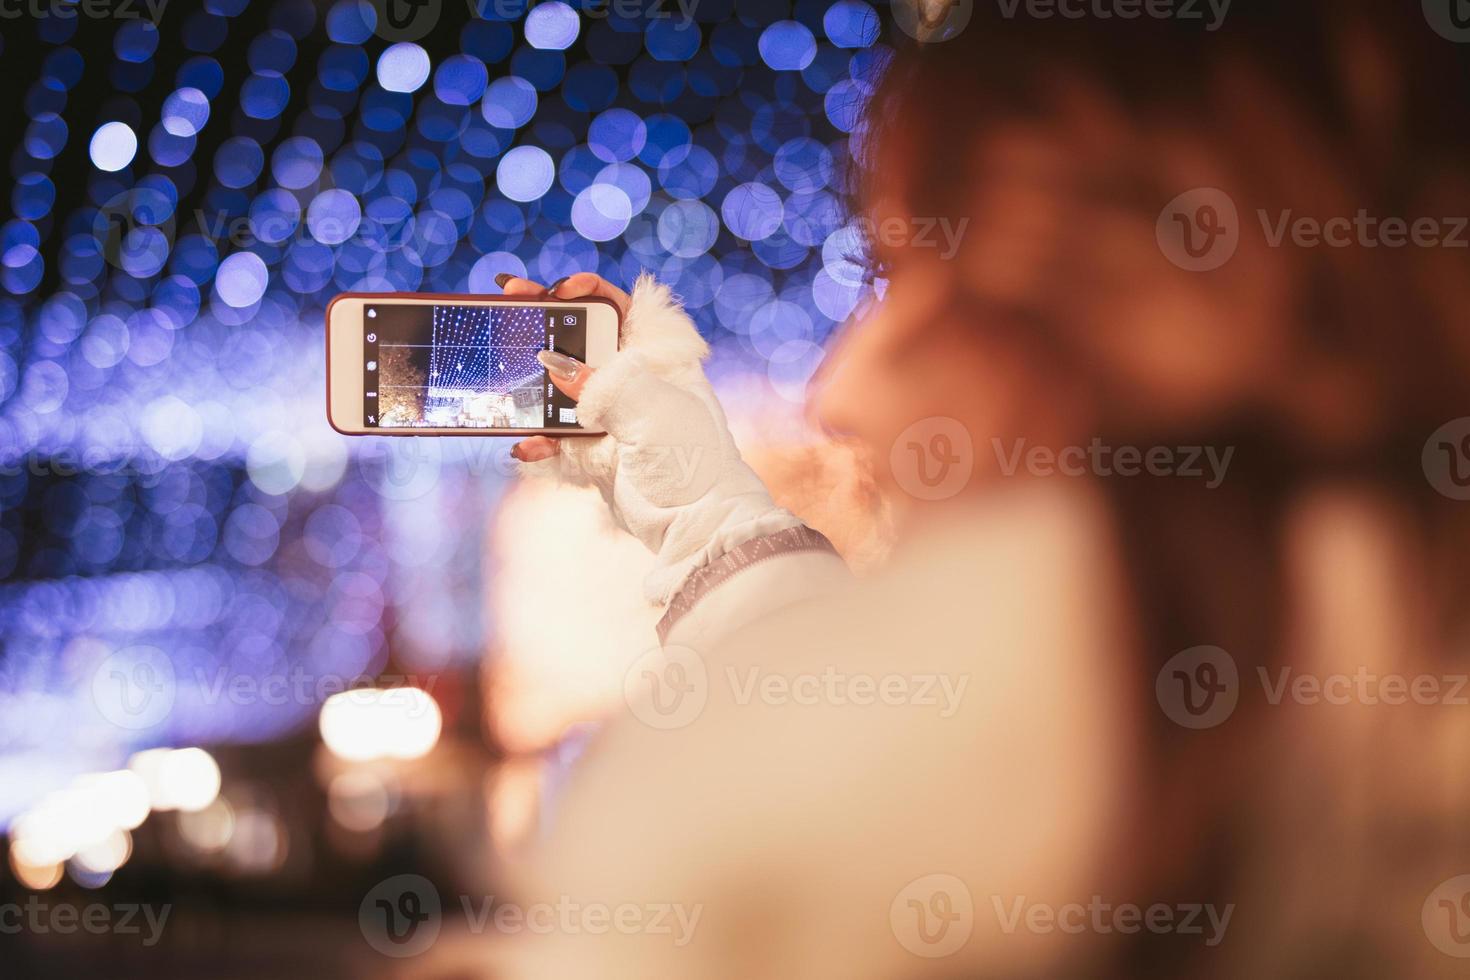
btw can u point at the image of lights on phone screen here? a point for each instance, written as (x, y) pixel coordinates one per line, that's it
(467, 367)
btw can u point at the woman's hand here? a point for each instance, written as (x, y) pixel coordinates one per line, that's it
(668, 466)
(577, 286)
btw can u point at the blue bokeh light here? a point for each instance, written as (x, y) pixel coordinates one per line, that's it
(510, 102)
(788, 45)
(601, 212)
(461, 80)
(617, 135)
(334, 216)
(46, 136)
(351, 21)
(242, 279)
(752, 211)
(238, 161)
(552, 26)
(403, 67)
(185, 112)
(851, 24)
(297, 163)
(525, 173)
(113, 146)
(135, 41)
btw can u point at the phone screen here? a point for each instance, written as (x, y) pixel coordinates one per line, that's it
(467, 367)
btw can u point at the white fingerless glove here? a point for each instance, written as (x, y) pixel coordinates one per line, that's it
(668, 467)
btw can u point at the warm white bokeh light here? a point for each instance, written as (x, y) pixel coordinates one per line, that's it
(210, 829)
(178, 779)
(358, 800)
(107, 855)
(381, 723)
(37, 876)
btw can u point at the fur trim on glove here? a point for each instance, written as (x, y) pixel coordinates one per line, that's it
(661, 333)
(657, 336)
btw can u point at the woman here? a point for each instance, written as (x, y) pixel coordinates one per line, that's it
(1161, 463)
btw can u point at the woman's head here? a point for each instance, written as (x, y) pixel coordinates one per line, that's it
(1031, 190)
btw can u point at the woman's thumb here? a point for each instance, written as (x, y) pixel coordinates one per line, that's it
(567, 373)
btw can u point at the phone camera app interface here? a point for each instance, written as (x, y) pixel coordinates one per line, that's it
(467, 367)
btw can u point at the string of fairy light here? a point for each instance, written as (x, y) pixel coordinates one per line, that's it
(485, 349)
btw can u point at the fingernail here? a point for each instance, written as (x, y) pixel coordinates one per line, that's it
(557, 285)
(565, 368)
(503, 278)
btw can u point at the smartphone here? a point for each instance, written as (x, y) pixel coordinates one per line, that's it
(432, 364)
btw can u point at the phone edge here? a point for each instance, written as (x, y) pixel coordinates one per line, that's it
(510, 300)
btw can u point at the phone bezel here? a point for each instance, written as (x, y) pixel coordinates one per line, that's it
(349, 392)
